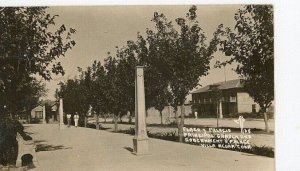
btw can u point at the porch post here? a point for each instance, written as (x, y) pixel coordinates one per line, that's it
(44, 114)
(220, 110)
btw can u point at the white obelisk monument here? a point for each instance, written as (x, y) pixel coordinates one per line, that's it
(140, 140)
(61, 114)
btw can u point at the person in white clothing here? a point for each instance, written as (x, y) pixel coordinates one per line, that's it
(76, 118)
(196, 115)
(69, 119)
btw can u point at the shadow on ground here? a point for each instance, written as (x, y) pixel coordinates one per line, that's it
(129, 149)
(38, 141)
(47, 147)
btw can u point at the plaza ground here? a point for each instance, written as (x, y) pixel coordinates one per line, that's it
(207, 122)
(89, 149)
(259, 138)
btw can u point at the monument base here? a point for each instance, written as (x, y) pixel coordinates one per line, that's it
(140, 146)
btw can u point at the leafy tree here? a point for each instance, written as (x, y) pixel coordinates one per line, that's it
(177, 60)
(76, 96)
(251, 45)
(112, 89)
(126, 77)
(144, 56)
(190, 62)
(48, 110)
(86, 83)
(162, 99)
(98, 97)
(28, 47)
(121, 84)
(158, 70)
(28, 96)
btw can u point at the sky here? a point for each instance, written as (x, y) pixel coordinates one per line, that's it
(101, 28)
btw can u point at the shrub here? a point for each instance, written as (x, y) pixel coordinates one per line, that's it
(262, 151)
(172, 123)
(35, 121)
(90, 125)
(130, 131)
(245, 115)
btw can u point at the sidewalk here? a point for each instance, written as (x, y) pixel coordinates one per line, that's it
(77, 149)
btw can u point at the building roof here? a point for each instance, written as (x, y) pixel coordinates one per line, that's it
(221, 85)
(38, 108)
(50, 102)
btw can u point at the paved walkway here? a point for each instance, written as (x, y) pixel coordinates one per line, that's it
(77, 149)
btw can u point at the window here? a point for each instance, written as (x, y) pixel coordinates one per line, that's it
(206, 100)
(223, 99)
(232, 99)
(39, 114)
(254, 108)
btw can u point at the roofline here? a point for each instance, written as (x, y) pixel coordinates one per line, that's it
(217, 83)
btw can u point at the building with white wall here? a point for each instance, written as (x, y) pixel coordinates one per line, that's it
(233, 99)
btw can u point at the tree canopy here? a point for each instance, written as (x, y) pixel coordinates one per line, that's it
(174, 61)
(251, 45)
(28, 48)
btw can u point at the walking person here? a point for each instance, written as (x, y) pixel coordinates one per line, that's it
(69, 119)
(76, 118)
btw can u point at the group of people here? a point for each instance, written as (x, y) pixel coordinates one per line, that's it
(76, 118)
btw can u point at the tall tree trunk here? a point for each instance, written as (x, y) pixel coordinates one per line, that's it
(176, 117)
(161, 118)
(177, 121)
(85, 121)
(29, 118)
(116, 122)
(180, 129)
(267, 129)
(97, 122)
(120, 118)
(105, 118)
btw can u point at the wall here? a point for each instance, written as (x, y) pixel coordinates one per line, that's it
(245, 102)
(168, 111)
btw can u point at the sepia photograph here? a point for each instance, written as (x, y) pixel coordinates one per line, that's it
(137, 87)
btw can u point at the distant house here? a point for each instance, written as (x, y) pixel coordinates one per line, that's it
(37, 112)
(234, 99)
